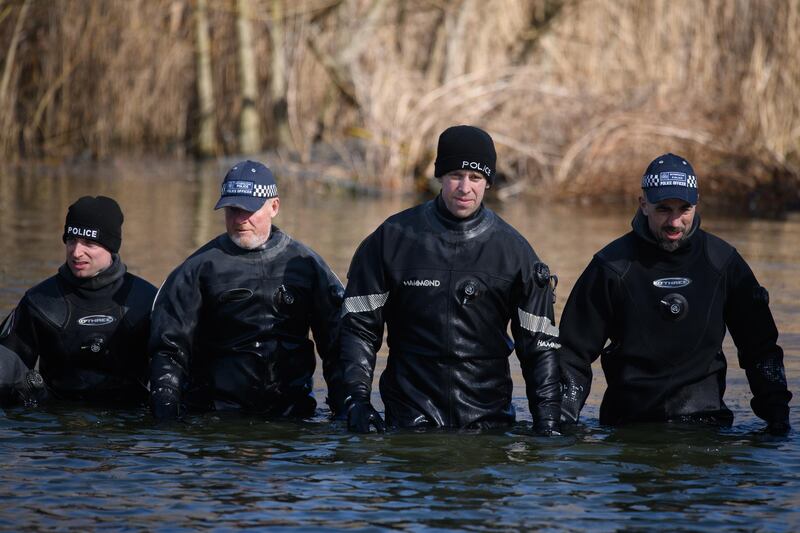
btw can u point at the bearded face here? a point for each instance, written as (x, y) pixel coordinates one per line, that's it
(670, 221)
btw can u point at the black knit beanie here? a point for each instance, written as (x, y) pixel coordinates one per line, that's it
(465, 148)
(96, 219)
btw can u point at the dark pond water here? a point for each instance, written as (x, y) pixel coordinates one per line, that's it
(78, 468)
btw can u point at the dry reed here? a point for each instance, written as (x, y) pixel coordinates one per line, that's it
(579, 95)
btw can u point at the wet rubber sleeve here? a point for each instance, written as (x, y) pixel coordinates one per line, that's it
(363, 317)
(753, 330)
(18, 334)
(138, 368)
(585, 327)
(12, 376)
(328, 295)
(173, 321)
(536, 341)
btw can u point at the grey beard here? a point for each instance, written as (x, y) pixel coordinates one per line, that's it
(238, 242)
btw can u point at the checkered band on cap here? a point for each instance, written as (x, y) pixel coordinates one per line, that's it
(652, 180)
(249, 188)
(649, 180)
(265, 191)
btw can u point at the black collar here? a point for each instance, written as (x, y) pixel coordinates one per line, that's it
(440, 219)
(103, 278)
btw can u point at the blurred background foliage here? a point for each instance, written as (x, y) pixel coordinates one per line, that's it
(578, 94)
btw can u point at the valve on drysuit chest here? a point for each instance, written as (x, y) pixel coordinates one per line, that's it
(283, 296)
(95, 344)
(469, 291)
(674, 306)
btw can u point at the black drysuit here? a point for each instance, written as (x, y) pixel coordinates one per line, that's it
(665, 314)
(89, 335)
(230, 330)
(446, 290)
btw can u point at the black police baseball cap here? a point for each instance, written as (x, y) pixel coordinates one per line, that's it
(247, 185)
(669, 176)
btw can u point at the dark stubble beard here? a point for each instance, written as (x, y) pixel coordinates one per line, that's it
(671, 246)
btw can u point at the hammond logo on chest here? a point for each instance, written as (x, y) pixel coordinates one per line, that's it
(421, 282)
(95, 320)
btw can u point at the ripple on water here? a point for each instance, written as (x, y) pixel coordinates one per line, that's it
(122, 471)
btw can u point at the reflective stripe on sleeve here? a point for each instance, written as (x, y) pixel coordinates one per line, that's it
(360, 304)
(537, 324)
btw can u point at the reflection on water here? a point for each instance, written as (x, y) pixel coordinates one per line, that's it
(85, 469)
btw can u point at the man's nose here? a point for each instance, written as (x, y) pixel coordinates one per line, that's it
(675, 220)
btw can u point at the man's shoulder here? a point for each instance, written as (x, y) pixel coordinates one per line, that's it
(48, 287)
(511, 235)
(44, 294)
(141, 286)
(298, 249)
(138, 298)
(501, 225)
(47, 299)
(713, 239)
(191, 268)
(206, 252)
(618, 254)
(214, 246)
(407, 216)
(718, 250)
(397, 226)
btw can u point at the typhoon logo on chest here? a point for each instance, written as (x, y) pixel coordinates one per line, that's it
(95, 320)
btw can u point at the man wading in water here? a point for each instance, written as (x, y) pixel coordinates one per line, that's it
(87, 326)
(663, 295)
(447, 277)
(230, 325)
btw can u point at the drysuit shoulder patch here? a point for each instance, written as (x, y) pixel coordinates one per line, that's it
(719, 252)
(617, 255)
(48, 300)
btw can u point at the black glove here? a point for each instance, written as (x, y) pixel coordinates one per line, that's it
(164, 404)
(547, 428)
(779, 428)
(32, 391)
(361, 415)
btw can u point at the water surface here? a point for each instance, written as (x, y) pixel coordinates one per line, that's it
(74, 467)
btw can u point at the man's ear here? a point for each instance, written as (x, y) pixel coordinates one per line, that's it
(643, 205)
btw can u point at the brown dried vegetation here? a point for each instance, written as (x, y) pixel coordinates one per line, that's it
(578, 94)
